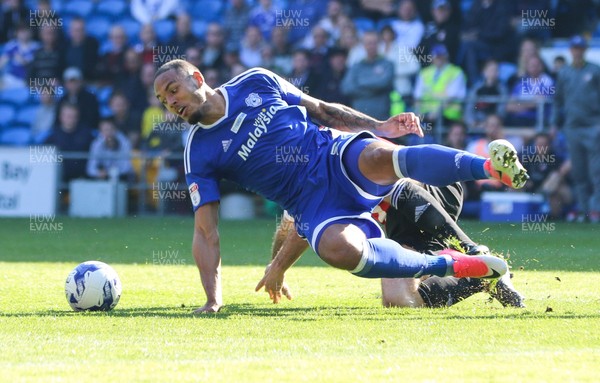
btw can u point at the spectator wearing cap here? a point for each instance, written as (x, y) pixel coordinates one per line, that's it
(76, 94)
(442, 29)
(577, 100)
(81, 50)
(369, 82)
(440, 85)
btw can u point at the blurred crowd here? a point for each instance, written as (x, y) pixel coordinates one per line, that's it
(78, 74)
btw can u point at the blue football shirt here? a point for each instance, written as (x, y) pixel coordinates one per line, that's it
(265, 142)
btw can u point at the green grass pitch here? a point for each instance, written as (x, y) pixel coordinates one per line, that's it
(334, 330)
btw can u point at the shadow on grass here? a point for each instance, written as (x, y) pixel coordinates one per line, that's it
(307, 314)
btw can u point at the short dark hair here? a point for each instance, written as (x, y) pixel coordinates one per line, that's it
(560, 58)
(178, 65)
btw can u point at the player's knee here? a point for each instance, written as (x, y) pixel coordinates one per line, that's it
(376, 155)
(339, 253)
(341, 249)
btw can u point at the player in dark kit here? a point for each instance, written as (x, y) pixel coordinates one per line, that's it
(239, 129)
(421, 217)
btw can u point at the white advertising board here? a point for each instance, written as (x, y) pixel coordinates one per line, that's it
(28, 181)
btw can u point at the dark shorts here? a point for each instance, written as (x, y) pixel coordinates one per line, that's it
(401, 228)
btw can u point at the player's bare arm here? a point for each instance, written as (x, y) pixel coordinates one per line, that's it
(290, 250)
(345, 118)
(206, 252)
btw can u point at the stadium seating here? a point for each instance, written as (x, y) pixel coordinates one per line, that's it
(7, 114)
(383, 23)
(131, 27)
(15, 96)
(81, 8)
(165, 29)
(363, 24)
(114, 9)
(209, 10)
(26, 114)
(505, 70)
(98, 26)
(102, 93)
(199, 28)
(17, 135)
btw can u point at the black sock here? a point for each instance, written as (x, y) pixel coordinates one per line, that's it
(427, 213)
(446, 291)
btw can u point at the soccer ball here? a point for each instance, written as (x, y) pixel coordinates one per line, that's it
(93, 286)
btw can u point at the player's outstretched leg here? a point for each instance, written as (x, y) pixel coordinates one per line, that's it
(383, 163)
(345, 246)
(417, 205)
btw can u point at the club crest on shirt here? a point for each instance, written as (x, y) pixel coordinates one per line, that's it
(253, 100)
(194, 194)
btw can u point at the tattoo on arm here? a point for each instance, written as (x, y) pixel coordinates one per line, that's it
(341, 116)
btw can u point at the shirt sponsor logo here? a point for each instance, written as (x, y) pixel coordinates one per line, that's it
(261, 123)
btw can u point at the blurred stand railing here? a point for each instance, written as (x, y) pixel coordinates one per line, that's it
(470, 112)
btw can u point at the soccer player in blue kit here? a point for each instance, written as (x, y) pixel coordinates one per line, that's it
(239, 130)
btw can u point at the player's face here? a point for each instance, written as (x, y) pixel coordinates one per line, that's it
(181, 94)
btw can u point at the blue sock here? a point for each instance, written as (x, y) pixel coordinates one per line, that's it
(384, 258)
(438, 165)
